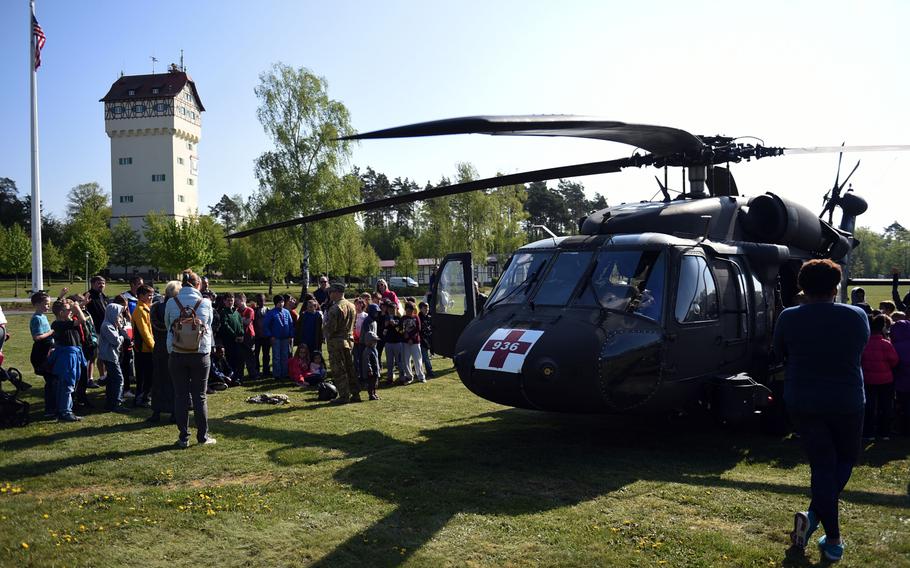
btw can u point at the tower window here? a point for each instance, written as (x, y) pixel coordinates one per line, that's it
(188, 96)
(126, 199)
(138, 109)
(125, 161)
(156, 90)
(180, 161)
(189, 145)
(180, 198)
(160, 107)
(117, 109)
(158, 177)
(131, 92)
(189, 181)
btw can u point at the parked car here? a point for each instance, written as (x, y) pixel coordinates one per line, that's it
(402, 282)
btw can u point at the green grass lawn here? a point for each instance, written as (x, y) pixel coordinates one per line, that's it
(428, 476)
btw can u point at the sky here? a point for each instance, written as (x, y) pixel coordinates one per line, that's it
(793, 73)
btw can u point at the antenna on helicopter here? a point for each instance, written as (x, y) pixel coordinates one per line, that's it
(549, 232)
(663, 187)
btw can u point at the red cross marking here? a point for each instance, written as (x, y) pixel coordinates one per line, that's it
(509, 345)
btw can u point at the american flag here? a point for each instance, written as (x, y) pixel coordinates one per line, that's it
(38, 36)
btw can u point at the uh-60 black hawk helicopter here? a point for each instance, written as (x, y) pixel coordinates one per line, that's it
(654, 306)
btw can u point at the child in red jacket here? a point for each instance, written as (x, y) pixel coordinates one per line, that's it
(879, 360)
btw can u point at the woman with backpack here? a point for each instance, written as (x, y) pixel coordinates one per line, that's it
(188, 318)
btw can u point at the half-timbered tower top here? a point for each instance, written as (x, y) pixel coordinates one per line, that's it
(157, 86)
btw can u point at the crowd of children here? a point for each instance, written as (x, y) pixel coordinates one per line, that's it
(124, 339)
(886, 367)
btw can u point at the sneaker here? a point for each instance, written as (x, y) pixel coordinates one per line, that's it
(804, 524)
(92, 384)
(128, 394)
(208, 441)
(374, 396)
(421, 380)
(154, 418)
(885, 438)
(406, 382)
(356, 398)
(69, 418)
(183, 444)
(831, 552)
(339, 401)
(119, 409)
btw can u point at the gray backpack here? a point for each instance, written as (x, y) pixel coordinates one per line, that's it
(187, 330)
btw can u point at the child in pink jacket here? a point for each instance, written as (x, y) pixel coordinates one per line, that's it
(879, 361)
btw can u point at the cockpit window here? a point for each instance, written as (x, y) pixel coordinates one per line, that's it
(628, 281)
(562, 279)
(696, 297)
(518, 279)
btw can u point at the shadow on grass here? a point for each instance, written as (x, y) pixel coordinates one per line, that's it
(137, 423)
(23, 470)
(515, 463)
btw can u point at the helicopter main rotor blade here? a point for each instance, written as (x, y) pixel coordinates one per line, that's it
(577, 170)
(846, 179)
(830, 149)
(840, 158)
(655, 139)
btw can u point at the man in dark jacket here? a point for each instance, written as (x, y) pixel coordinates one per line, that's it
(230, 334)
(97, 301)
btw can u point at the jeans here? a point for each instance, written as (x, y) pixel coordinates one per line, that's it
(425, 355)
(879, 409)
(145, 369)
(358, 355)
(113, 388)
(264, 346)
(50, 394)
(190, 375)
(250, 361)
(280, 352)
(393, 358)
(833, 443)
(67, 368)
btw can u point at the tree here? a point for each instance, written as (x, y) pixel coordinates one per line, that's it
(272, 256)
(177, 245)
(126, 248)
(510, 215)
(405, 263)
(241, 259)
(229, 212)
(12, 209)
(15, 252)
(545, 207)
(86, 196)
(303, 168)
(52, 259)
(88, 229)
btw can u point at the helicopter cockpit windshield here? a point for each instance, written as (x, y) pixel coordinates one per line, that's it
(519, 278)
(630, 281)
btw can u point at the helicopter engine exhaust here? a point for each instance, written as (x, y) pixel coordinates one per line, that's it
(773, 219)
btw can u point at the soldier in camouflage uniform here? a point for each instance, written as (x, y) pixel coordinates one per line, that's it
(338, 331)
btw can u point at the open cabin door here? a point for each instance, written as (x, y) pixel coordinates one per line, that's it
(452, 302)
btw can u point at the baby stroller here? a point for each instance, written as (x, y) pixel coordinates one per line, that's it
(13, 411)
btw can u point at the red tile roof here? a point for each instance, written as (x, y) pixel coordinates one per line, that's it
(168, 85)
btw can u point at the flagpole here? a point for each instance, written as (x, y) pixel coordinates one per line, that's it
(37, 265)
